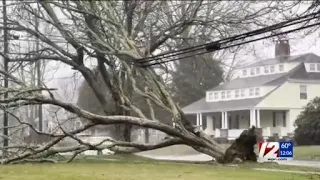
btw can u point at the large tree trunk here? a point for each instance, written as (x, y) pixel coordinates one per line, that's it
(243, 148)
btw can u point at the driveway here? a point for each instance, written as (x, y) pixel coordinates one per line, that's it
(196, 157)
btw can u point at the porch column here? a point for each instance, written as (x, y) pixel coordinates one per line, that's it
(226, 120)
(258, 118)
(200, 119)
(209, 128)
(252, 118)
(224, 125)
(222, 120)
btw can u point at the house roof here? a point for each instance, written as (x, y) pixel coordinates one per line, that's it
(308, 58)
(270, 80)
(298, 73)
(248, 82)
(302, 74)
(270, 61)
(203, 106)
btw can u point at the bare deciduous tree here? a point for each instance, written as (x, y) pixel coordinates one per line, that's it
(113, 35)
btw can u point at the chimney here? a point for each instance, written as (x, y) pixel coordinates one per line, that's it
(282, 48)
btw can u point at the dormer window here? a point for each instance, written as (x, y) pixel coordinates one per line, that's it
(257, 91)
(281, 67)
(244, 72)
(237, 94)
(266, 69)
(210, 96)
(242, 93)
(77, 125)
(252, 71)
(223, 95)
(216, 95)
(312, 67)
(228, 94)
(318, 67)
(258, 70)
(272, 69)
(251, 92)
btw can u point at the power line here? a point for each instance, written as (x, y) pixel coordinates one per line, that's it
(238, 44)
(216, 45)
(237, 37)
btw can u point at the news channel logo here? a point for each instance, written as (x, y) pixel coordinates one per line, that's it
(276, 151)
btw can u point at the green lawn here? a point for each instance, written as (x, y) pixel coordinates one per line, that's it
(300, 152)
(135, 168)
(306, 153)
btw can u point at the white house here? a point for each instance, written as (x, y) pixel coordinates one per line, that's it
(268, 94)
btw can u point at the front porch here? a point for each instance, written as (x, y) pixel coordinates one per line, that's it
(230, 124)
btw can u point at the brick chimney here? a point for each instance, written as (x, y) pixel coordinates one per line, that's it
(282, 48)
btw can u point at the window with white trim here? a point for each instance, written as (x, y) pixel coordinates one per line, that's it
(252, 71)
(251, 92)
(216, 95)
(258, 70)
(223, 95)
(281, 67)
(77, 125)
(242, 93)
(237, 94)
(272, 69)
(228, 94)
(266, 69)
(257, 91)
(312, 67)
(244, 72)
(303, 92)
(318, 67)
(210, 96)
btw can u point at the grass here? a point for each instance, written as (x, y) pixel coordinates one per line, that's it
(137, 168)
(131, 167)
(306, 153)
(300, 152)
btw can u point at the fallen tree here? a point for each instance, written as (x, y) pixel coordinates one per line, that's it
(106, 33)
(241, 149)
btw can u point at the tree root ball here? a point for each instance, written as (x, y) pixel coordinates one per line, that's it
(243, 148)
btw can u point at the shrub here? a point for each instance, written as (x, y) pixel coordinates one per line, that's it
(307, 124)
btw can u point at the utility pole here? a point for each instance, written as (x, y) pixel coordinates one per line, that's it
(5, 52)
(38, 67)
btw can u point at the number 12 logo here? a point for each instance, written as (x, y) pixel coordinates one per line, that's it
(268, 149)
